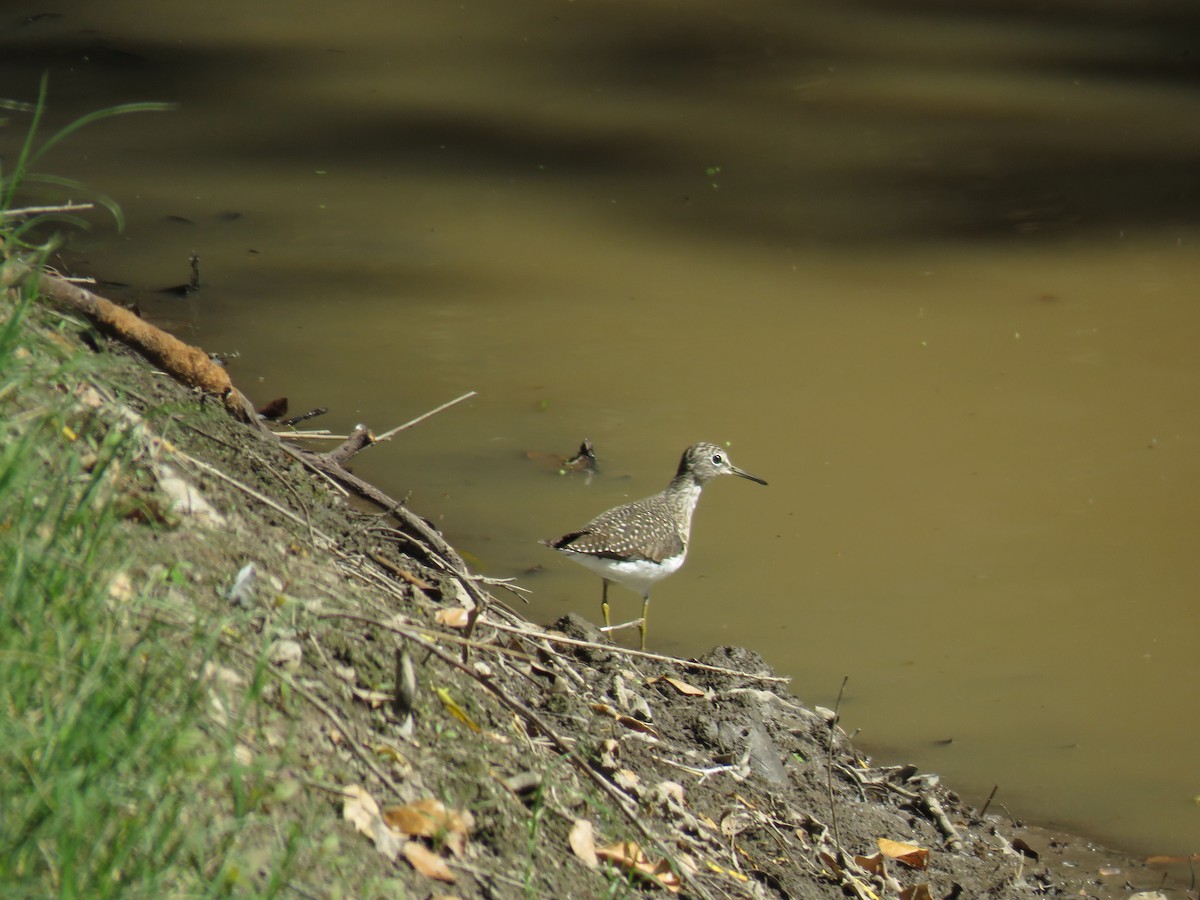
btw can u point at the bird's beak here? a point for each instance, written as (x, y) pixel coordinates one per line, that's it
(734, 470)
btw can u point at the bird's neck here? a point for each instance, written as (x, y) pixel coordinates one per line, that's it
(683, 493)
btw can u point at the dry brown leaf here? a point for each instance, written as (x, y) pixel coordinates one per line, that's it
(428, 818)
(628, 721)
(387, 842)
(637, 725)
(373, 699)
(916, 892)
(361, 809)
(583, 842)
(627, 780)
(453, 617)
(630, 856)
(911, 855)
(427, 862)
(830, 862)
(1024, 849)
(873, 864)
(688, 690)
(666, 877)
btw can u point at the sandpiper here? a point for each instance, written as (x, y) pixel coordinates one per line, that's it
(639, 543)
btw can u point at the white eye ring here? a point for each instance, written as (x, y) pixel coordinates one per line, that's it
(717, 459)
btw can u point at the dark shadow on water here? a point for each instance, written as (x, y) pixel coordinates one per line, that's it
(963, 175)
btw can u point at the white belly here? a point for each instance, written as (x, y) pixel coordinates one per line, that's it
(637, 575)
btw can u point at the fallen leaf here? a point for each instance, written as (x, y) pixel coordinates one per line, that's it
(626, 780)
(873, 864)
(453, 617)
(120, 588)
(630, 856)
(830, 862)
(387, 842)
(583, 842)
(637, 725)
(910, 855)
(361, 809)
(688, 690)
(454, 709)
(428, 818)
(628, 721)
(373, 699)
(1025, 850)
(916, 892)
(275, 409)
(427, 862)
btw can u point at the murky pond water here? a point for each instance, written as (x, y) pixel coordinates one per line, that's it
(932, 274)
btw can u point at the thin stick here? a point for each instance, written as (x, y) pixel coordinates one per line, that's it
(620, 800)
(317, 702)
(950, 834)
(261, 498)
(991, 797)
(427, 634)
(387, 435)
(309, 436)
(837, 840)
(640, 654)
(38, 210)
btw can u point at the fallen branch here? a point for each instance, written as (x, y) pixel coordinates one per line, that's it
(560, 744)
(427, 634)
(950, 834)
(186, 363)
(640, 654)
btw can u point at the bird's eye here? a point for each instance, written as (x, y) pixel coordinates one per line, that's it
(717, 459)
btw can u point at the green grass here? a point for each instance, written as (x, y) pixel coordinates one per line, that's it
(127, 767)
(115, 777)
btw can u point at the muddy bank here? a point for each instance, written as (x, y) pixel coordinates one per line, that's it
(507, 759)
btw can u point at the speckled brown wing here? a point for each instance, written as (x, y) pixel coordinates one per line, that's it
(631, 532)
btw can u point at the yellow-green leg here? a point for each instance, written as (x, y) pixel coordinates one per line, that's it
(645, 612)
(604, 602)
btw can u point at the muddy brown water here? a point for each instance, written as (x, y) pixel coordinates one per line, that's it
(931, 273)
